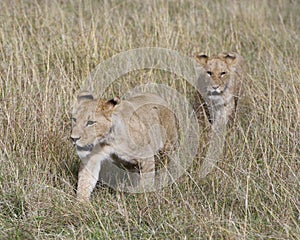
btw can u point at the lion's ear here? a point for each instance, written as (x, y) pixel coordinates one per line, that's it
(229, 58)
(84, 96)
(202, 59)
(109, 105)
(114, 101)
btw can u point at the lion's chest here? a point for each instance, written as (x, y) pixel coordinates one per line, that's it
(219, 100)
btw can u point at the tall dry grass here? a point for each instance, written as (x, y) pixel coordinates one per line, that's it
(47, 48)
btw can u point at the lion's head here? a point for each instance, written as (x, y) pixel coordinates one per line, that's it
(91, 121)
(219, 69)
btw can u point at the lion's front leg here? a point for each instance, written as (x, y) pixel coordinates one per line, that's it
(87, 178)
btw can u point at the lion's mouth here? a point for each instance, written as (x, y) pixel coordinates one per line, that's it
(217, 92)
(86, 148)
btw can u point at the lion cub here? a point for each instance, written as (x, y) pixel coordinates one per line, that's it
(226, 74)
(125, 132)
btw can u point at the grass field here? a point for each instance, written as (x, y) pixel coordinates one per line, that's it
(47, 49)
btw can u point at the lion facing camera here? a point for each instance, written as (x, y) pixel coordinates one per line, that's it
(226, 75)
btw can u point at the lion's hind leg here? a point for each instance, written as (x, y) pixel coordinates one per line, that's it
(147, 174)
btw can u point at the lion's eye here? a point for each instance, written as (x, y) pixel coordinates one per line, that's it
(222, 74)
(74, 120)
(89, 123)
(209, 73)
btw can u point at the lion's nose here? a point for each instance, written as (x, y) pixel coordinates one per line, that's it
(75, 139)
(215, 87)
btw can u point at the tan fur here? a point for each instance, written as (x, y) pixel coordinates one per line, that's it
(226, 74)
(132, 130)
